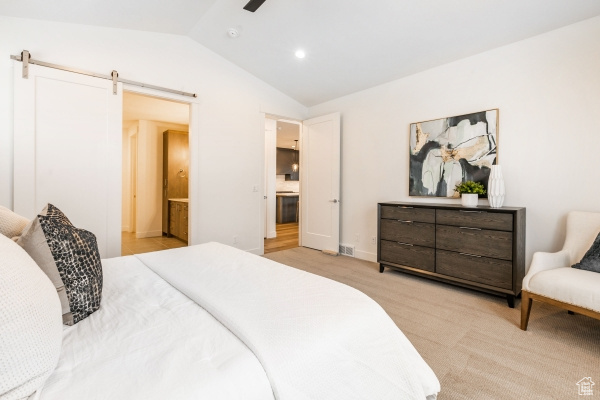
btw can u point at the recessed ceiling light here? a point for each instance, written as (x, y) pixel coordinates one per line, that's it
(300, 53)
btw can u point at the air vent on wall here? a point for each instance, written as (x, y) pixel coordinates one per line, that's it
(346, 250)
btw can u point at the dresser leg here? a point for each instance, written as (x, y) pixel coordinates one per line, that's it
(510, 299)
(380, 268)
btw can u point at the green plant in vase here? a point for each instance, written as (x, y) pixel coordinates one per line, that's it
(469, 192)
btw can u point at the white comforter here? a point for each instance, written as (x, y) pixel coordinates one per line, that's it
(315, 338)
(150, 342)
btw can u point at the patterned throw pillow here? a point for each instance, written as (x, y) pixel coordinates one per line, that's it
(591, 259)
(70, 258)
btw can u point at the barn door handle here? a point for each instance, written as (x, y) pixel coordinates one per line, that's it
(404, 244)
(466, 227)
(405, 222)
(470, 255)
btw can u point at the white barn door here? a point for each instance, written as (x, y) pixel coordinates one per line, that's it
(67, 150)
(320, 190)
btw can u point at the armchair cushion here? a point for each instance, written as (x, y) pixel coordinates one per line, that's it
(591, 259)
(546, 261)
(577, 287)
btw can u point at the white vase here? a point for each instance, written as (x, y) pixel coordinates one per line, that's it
(469, 199)
(495, 190)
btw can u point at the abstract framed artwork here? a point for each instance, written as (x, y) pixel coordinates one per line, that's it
(447, 151)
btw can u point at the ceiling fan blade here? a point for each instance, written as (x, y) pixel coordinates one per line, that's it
(253, 5)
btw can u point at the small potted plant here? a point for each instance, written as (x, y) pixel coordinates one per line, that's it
(469, 192)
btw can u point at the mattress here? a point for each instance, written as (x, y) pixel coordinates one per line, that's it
(149, 341)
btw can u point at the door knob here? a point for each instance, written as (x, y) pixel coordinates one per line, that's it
(334, 201)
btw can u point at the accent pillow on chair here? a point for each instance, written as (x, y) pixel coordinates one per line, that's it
(11, 223)
(70, 258)
(30, 323)
(591, 259)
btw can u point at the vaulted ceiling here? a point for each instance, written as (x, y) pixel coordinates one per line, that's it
(350, 45)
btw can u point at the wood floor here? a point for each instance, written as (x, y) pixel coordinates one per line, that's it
(132, 245)
(287, 238)
(472, 340)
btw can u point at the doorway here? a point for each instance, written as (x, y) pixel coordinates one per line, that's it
(156, 170)
(318, 166)
(282, 184)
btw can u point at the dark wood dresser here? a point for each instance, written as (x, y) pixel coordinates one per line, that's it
(482, 248)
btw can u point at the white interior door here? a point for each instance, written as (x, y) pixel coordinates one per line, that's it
(320, 180)
(67, 150)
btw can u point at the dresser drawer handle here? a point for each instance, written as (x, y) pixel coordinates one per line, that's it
(476, 212)
(404, 207)
(470, 255)
(405, 244)
(466, 227)
(405, 222)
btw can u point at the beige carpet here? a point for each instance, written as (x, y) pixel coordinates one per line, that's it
(472, 340)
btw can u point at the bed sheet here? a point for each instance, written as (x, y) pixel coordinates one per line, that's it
(316, 338)
(149, 341)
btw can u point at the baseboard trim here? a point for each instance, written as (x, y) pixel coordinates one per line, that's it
(141, 235)
(125, 228)
(365, 255)
(255, 251)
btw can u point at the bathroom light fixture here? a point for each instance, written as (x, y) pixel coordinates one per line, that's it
(300, 53)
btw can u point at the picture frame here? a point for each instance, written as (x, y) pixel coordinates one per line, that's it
(447, 151)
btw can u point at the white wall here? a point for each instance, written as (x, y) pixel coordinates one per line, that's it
(270, 185)
(231, 126)
(548, 91)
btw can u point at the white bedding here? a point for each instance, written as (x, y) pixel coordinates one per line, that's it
(148, 341)
(315, 338)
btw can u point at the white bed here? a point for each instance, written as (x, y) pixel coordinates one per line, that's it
(214, 322)
(149, 341)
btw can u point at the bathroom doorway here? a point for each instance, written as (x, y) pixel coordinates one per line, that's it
(155, 178)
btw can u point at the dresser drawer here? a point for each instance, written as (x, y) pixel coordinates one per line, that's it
(408, 213)
(475, 219)
(408, 255)
(481, 242)
(488, 271)
(408, 232)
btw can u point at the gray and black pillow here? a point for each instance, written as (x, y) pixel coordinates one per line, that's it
(70, 258)
(591, 259)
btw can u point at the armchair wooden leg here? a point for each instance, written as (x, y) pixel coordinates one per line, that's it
(525, 309)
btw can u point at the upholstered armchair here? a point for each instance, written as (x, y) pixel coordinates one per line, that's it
(551, 279)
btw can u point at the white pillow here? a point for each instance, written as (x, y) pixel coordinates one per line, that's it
(11, 223)
(30, 323)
